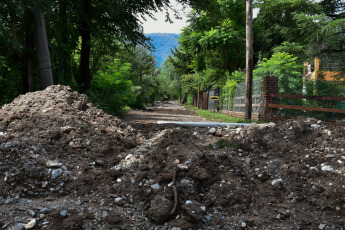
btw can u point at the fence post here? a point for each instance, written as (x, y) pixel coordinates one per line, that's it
(205, 101)
(270, 85)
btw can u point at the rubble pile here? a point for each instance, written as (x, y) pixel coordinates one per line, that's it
(67, 165)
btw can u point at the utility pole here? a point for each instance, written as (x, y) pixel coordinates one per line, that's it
(249, 59)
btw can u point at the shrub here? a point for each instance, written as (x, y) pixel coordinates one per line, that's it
(111, 90)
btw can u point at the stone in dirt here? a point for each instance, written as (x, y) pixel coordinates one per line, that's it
(31, 224)
(194, 210)
(160, 209)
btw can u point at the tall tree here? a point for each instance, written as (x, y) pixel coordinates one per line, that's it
(43, 54)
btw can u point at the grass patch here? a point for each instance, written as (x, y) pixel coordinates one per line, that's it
(191, 107)
(211, 116)
(220, 144)
(219, 117)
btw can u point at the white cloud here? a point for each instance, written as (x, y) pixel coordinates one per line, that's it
(161, 26)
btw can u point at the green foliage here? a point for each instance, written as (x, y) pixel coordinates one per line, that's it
(223, 143)
(284, 66)
(10, 86)
(189, 99)
(169, 82)
(111, 90)
(219, 117)
(146, 92)
(189, 84)
(227, 94)
(303, 28)
(215, 38)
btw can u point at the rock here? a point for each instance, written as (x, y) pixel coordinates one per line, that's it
(44, 184)
(208, 218)
(278, 217)
(327, 168)
(291, 195)
(53, 164)
(32, 223)
(160, 209)
(113, 218)
(185, 182)
(100, 162)
(155, 186)
(31, 213)
(247, 160)
(182, 166)
(128, 156)
(63, 213)
(44, 210)
(18, 227)
(105, 214)
(118, 200)
(277, 183)
(212, 130)
(322, 226)
(64, 168)
(56, 173)
(194, 210)
(175, 228)
(9, 200)
(256, 213)
(238, 130)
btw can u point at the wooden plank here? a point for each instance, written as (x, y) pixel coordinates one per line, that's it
(308, 97)
(331, 110)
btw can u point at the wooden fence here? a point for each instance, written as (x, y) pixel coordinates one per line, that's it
(317, 98)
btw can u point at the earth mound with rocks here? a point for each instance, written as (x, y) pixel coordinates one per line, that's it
(67, 165)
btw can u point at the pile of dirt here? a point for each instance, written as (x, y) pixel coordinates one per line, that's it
(272, 176)
(67, 165)
(54, 128)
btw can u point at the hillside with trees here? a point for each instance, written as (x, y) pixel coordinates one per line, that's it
(99, 48)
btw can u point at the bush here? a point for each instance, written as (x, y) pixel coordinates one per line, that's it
(111, 90)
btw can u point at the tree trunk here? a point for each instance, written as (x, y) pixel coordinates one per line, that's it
(42, 50)
(249, 59)
(62, 44)
(30, 78)
(85, 75)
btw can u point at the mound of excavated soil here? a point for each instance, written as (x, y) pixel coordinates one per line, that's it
(58, 126)
(67, 165)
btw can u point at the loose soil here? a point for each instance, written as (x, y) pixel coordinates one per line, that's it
(65, 164)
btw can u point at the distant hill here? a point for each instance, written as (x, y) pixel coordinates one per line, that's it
(163, 43)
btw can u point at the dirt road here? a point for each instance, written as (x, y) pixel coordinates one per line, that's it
(162, 111)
